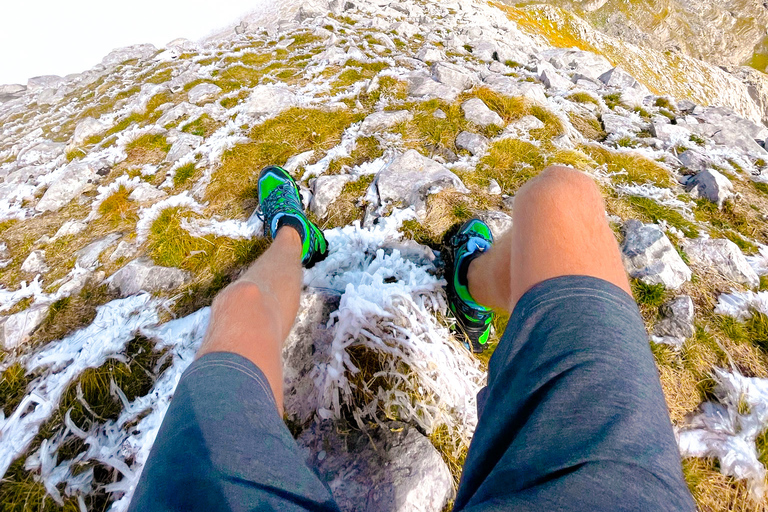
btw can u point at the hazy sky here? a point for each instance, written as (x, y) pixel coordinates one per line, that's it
(46, 37)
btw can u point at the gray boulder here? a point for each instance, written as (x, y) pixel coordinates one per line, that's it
(694, 160)
(39, 83)
(307, 344)
(421, 86)
(648, 255)
(723, 256)
(430, 54)
(735, 138)
(182, 144)
(411, 177)
(141, 275)
(621, 126)
(472, 142)
(88, 256)
(12, 89)
(380, 121)
(570, 60)
(269, 99)
(203, 93)
(389, 468)
(120, 55)
(74, 179)
(123, 250)
(35, 263)
(617, 78)
(676, 324)
(553, 80)
(476, 111)
(325, 190)
(670, 134)
(452, 75)
(16, 329)
(86, 129)
(501, 84)
(711, 185)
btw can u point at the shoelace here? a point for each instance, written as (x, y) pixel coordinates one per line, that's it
(283, 199)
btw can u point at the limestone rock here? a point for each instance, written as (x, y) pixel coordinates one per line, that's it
(617, 78)
(75, 178)
(380, 121)
(735, 138)
(676, 324)
(10, 89)
(621, 126)
(120, 55)
(570, 60)
(35, 263)
(554, 80)
(16, 329)
(452, 75)
(85, 129)
(88, 257)
(307, 344)
(411, 177)
(694, 160)
(123, 250)
(269, 99)
(422, 86)
(712, 185)
(141, 275)
(70, 227)
(524, 125)
(724, 256)
(144, 192)
(181, 110)
(534, 92)
(650, 256)
(203, 93)
(472, 142)
(38, 83)
(393, 468)
(494, 188)
(182, 144)
(476, 111)
(325, 190)
(430, 54)
(499, 222)
(299, 160)
(671, 134)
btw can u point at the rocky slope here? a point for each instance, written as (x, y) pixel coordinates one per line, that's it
(719, 32)
(127, 201)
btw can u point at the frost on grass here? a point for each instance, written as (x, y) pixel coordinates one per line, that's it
(390, 298)
(728, 429)
(148, 215)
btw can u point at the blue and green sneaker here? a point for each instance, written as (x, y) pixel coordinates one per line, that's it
(472, 240)
(280, 203)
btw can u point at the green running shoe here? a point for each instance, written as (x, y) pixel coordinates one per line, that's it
(280, 203)
(474, 320)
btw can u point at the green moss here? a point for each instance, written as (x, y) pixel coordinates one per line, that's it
(648, 294)
(650, 210)
(696, 139)
(642, 112)
(664, 103)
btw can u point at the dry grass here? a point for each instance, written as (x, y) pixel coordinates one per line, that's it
(348, 207)
(233, 185)
(366, 150)
(117, 208)
(634, 167)
(511, 163)
(715, 492)
(587, 125)
(204, 126)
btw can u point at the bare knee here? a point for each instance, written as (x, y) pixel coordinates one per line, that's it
(563, 186)
(236, 295)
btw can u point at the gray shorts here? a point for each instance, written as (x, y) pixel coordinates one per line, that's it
(573, 418)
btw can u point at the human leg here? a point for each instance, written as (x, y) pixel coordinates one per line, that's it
(559, 228)
(573, 417)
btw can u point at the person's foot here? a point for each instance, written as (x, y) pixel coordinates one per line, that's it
(280, 204)
(472, 240)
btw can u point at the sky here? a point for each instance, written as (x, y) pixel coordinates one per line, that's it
(46, 37)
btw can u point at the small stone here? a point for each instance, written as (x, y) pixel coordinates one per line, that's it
(430, 54)
(650, 256)
(676, 324)
(325, 190)
(621, 126)
(476, 111)
(70, 227)
(123, 250)
(711, 185)
(380, 121)
(144, 192)
(671, 134)
(16, 329)
(85, 129)
(694, 160)
(35, 263)
(525, 124)
(724, 256)
(141, 275)
(499, 222)
(472, 142)
(203, 93)
(299, 160)
(494, 188)
(439, 114)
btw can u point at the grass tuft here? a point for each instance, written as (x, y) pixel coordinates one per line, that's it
(587, 125)
(183, 174)
(648, 294)
(652, 211)
(117, 207)
(637, 168)
(582, 97)
(203, 126)
(13, 387)
(511, 163)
